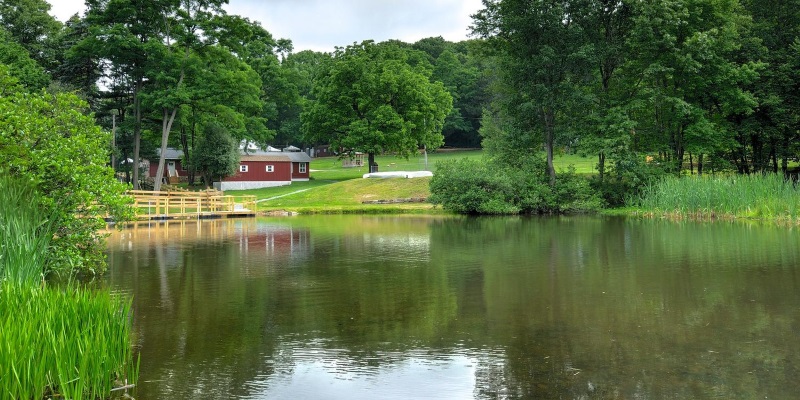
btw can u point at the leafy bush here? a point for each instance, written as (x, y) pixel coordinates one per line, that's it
(468, 187)
(495, 187)
(626, 178)
(50, 141)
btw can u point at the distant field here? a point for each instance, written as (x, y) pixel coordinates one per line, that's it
(330, 168)
(334, 188)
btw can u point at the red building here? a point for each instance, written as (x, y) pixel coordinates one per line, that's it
(257, 169)
(173, 169)
(266, 169)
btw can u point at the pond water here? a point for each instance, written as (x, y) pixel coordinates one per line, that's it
(410, 307)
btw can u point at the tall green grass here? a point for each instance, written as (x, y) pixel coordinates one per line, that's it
(63, 343)
(26, 233)
(72, 343)
(740, 196)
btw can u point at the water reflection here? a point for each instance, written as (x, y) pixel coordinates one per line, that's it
(423, 307)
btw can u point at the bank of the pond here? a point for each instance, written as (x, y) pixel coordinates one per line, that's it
(767, 197)
(748, 197)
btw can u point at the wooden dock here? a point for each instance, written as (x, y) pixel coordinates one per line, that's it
(209, 204)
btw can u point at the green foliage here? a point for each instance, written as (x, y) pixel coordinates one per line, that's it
(767, 196)
(217, 154)
(29, 24)
(47, 140)
(27, 232)
(468, 187)
(496, 187)
(544, 59)
(377, 98)
(628, 175)
(20, 64)
(54, 342)
(63, 343)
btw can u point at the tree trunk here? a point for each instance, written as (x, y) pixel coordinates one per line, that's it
(601, 165)
(700, 164)
(166, 126)
(187, 158)
(137, 133)
(371, 161)
(691, 164)
(549, 139)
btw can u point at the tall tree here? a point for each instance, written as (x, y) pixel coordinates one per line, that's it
(127, 34)
(771, 133)
(688, 73)
(30, 24)
(20, 64)
(377, 98)
(175, 61)
(77, 67)
(544, 57)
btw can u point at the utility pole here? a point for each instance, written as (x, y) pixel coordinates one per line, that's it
(114, 143)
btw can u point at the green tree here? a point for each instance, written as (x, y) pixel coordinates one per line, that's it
(52, 141)
(299, 70)
(217, 154)
(377, 98)
(769, 135)
(77, 67)
(462, 78)
(224, 91)
(30, 24)
(544, 58)
(20, 64)
(127, 34)
(689, 76)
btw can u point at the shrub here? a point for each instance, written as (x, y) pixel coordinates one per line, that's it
(495, 187)
(51, 142)
(468, 187)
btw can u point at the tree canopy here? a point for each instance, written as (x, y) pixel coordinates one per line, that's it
(377, 98)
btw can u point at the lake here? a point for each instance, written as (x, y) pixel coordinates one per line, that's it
(432, 307)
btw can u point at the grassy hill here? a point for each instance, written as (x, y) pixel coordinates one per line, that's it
(335, 189)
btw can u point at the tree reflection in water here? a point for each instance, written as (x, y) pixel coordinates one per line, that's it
(583, 307)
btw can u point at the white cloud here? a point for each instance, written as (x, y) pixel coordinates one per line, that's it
(323, 24)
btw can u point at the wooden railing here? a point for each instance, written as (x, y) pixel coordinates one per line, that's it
(179, 204)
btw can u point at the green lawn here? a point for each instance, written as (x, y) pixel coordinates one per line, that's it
(330, 168)
(334, 188)
(349, 195)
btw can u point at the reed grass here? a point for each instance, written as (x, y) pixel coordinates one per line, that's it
(26, 231)
(727, 197)
(55, 342)
(63, 343)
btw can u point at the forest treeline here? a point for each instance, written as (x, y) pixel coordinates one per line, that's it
(645, 86)
(161, 72)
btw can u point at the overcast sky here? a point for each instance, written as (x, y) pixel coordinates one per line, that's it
(323, 24)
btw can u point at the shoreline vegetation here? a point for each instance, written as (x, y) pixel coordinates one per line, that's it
(721, 197)
(767, 197)
(57, 340)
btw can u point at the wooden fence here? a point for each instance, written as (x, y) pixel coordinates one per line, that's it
(180, 204)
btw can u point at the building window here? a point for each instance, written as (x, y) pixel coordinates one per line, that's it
(302, 168)
(270, 168)
(242, 168)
